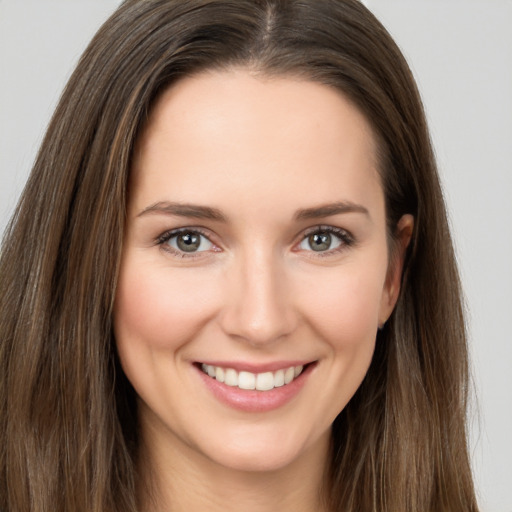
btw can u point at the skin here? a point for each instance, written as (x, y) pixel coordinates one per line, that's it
(258, 150)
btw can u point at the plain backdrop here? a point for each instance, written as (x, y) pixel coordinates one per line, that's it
(461, 54)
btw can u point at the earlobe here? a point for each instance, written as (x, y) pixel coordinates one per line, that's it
(403, 235)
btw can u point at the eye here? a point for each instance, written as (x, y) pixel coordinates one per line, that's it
(325, 239)
(186, 241)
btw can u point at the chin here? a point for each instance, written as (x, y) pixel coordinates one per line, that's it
(262, 462)
(264, 453)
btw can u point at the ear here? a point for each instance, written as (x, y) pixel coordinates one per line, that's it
(403, 234)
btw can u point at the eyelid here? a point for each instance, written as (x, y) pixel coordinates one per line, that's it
(346, 238)
(164, 237)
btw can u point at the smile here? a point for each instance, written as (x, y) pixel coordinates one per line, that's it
(253, 381)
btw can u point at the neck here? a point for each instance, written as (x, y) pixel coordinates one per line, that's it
(181, 479)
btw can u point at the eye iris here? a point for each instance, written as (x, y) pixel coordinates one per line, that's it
(188, 242)
(320, 241)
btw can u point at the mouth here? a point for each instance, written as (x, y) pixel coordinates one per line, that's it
(245, 380)
(255, 388)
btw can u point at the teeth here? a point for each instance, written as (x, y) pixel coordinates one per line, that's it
(219, 374)
(279, 378)
(231, 377)
(247, 380)
(289, 374)
(265, 381)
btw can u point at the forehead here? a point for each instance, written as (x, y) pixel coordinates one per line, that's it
(233, 131)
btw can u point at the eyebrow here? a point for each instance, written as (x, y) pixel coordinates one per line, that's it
(184, 210)
(206, 212)
(327, 210)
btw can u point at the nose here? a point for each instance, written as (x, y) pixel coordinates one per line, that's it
(258, 307)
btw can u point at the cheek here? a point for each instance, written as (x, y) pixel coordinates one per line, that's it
(344, 314)
(345, 308)
(158, 308)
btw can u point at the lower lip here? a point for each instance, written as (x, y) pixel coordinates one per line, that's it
(253, 400)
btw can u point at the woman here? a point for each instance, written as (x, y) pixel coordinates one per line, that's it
(230, 281)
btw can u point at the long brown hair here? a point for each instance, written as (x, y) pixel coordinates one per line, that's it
(68, 419)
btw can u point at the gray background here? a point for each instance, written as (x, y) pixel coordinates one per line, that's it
(461, 54)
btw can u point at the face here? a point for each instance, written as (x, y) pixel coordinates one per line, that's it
(255, 270)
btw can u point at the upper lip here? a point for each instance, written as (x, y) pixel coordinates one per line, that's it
(243, 366)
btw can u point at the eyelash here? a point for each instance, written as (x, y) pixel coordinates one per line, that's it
(168, 235)
(345, 238)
